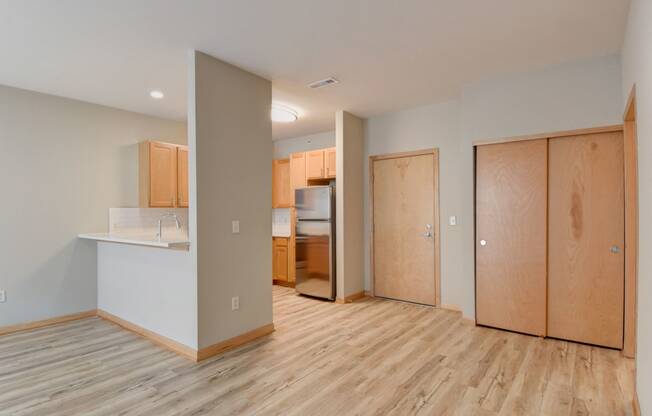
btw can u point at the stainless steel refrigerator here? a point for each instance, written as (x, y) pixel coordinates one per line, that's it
(315, 241)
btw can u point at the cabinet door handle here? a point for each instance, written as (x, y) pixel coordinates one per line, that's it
(322, 172)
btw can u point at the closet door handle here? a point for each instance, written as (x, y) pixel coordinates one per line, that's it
(483, 243)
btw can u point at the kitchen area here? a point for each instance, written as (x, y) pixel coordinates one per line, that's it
(303, 222)
(145, 277)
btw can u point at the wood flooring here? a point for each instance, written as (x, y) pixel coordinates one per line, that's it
(371, 357)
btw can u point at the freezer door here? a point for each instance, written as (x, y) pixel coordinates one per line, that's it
(315, 274)
(313, 203)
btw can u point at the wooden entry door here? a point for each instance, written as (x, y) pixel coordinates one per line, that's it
(586, 233)
(405, 227)
(511, 211)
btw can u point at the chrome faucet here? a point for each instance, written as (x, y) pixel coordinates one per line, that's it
(159, 235)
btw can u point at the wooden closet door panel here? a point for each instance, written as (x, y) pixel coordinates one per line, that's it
(511, 211)
(162, 174)
(587, 220)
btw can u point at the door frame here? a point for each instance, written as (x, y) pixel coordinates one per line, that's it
(435, 156)
(631, 225)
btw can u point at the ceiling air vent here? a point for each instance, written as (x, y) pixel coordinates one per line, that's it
(323, 83)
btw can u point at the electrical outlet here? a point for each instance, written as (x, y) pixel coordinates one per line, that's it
(452, 220)
(235, 303)
(3, 296)
(235, 227)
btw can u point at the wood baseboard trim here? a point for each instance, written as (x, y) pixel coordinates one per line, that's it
(636, 407)
(351, 298)
(283, 283)
(46, 322)
(165, 342)
(234, 342)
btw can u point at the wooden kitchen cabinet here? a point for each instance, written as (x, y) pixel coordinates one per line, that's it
(281, 193)
(330, 162)
(321, 164)
(182, 176)
(280, 266)
(315, 164)
(163, 183)
(297, 173)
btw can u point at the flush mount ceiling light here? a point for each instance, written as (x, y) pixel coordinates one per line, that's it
(283, 114)
(156, 94)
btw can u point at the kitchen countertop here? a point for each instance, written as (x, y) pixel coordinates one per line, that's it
(135, 240)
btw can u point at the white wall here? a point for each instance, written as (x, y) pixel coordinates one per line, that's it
(64, 164)
(230, 140)
(153, 288)
(576, 95)
(283, 148)
(637, 69)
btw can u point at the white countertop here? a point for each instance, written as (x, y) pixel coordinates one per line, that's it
(136, 240)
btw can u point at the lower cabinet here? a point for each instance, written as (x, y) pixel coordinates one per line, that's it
(280, 259)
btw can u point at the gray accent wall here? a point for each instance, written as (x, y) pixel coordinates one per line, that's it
(64, 164)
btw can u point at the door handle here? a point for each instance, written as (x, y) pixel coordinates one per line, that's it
(615, 249)
(483, 243)
(428, 233)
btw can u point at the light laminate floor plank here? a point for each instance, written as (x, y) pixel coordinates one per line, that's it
(372, 357)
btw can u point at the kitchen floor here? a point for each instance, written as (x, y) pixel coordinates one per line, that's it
(369, 357)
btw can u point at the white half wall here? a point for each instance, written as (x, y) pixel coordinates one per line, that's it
(151, 287)
(230, 141)
(576, 95)
(637, 69)
(285, 147)
(65, 163)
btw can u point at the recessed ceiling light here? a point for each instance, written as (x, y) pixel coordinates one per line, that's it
(156, 94)
(283, 114)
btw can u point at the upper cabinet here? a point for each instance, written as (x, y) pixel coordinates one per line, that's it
(281, 195)
(182, 176)
(163, 175)
(315, 164)
(330, 162)
(297, 172)
(300, 170)
(320, 164)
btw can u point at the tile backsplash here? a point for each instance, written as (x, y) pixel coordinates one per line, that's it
(281, 222)
(144, 222)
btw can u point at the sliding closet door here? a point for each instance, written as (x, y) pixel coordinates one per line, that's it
(511, 210)
(586, 239)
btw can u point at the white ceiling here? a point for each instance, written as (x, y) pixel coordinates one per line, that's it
(388, 54)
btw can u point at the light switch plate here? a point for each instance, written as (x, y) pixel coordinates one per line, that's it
(235, 303)
(3, 296)
(235, 227)
(452, 220)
